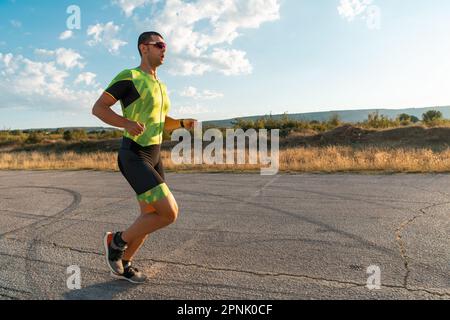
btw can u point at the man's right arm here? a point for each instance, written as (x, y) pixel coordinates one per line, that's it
(102, 110)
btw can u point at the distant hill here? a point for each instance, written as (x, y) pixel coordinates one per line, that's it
(351, 116)
(345, 115)
(87, 129)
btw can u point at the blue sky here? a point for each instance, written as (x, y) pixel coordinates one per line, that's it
(225, 58)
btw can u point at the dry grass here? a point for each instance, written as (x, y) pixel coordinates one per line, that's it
(51, 161)
(313, 159)
(335, 159)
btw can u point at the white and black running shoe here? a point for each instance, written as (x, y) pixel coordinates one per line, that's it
(131, 274)
(113, 253)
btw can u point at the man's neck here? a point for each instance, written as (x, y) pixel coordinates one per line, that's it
(151, 70)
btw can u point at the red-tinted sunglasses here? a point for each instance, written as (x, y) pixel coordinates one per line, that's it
(160, 45)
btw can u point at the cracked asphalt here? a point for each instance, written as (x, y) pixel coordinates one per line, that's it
(238, 236)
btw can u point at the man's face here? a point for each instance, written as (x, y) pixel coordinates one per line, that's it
(152, 53)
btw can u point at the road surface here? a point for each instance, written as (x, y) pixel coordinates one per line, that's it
(238, 236)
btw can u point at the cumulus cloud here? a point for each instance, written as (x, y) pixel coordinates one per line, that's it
(192, 92)
(66, 35)
(44, 52)
(128, 6)
(200, 33)
(350, 9)
(68, 58)
(65, 57)
(87, 78)
(32, 84)
(106, 35)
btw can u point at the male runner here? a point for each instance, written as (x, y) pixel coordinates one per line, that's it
(145, 105)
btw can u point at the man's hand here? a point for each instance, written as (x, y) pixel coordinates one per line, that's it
(135, 128)
(189, 123)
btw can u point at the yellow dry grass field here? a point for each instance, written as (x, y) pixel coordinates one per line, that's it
(299, 159)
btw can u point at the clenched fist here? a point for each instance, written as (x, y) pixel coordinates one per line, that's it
(189, 123)
(135, 128)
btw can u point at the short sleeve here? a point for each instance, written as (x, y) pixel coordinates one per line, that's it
(120, 86)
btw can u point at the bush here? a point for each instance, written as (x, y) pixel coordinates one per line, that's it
(16, 132)
(334, 121)
(286, 124)
(74, 135)
(406, 119)
(432, 117)
(414, 119)
(34, 137)
(377, 121)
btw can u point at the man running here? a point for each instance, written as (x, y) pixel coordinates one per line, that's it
(145, 105)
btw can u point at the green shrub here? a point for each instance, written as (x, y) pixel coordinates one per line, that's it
(334, 121)
(75, 135)
(34, 137)
(377, 121)
(16, 132)
(432, 117)
(414, 119)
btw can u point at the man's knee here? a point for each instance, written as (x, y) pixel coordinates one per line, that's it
(170, 214)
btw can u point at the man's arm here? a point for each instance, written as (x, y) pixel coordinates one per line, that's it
(173, 124)
(102, 110)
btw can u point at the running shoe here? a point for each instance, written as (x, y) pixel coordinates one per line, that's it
(113, 254)
(130, 274)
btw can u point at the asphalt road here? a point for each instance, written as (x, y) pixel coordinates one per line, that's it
(238, 236)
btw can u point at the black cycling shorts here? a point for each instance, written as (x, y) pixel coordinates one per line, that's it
(143, 169)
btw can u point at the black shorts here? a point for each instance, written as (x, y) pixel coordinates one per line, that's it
(143, 169)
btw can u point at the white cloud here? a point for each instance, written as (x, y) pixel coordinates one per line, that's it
(192, 92)
(65, 57)
(35, 84)
(105, 34)
(87, 78)
(200, 33)
(230, 62)
(16, 23)
(68, 58)
(191, 110)
(185, 67)
(66, 35)
(44, 52)
(128, 6)
(350, 9)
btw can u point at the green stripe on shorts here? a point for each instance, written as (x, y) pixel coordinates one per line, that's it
(157, 193)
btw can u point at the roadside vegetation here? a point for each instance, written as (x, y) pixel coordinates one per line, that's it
(379, 144)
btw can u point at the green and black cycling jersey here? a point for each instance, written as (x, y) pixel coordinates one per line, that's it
(143, 99)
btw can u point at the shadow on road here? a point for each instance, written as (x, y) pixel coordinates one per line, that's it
(100, 291)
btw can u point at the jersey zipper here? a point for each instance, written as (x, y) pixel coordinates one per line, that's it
(160, 114)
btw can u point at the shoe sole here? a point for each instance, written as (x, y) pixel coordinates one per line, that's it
(118, 276)
(105, 244)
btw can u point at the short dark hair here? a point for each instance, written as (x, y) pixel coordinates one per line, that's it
(145, 37)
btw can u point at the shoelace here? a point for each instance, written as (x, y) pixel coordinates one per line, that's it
(131, 270)
(115, 254)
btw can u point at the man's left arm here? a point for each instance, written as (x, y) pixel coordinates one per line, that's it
(173, 124)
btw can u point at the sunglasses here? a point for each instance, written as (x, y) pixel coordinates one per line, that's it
(160, 45)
